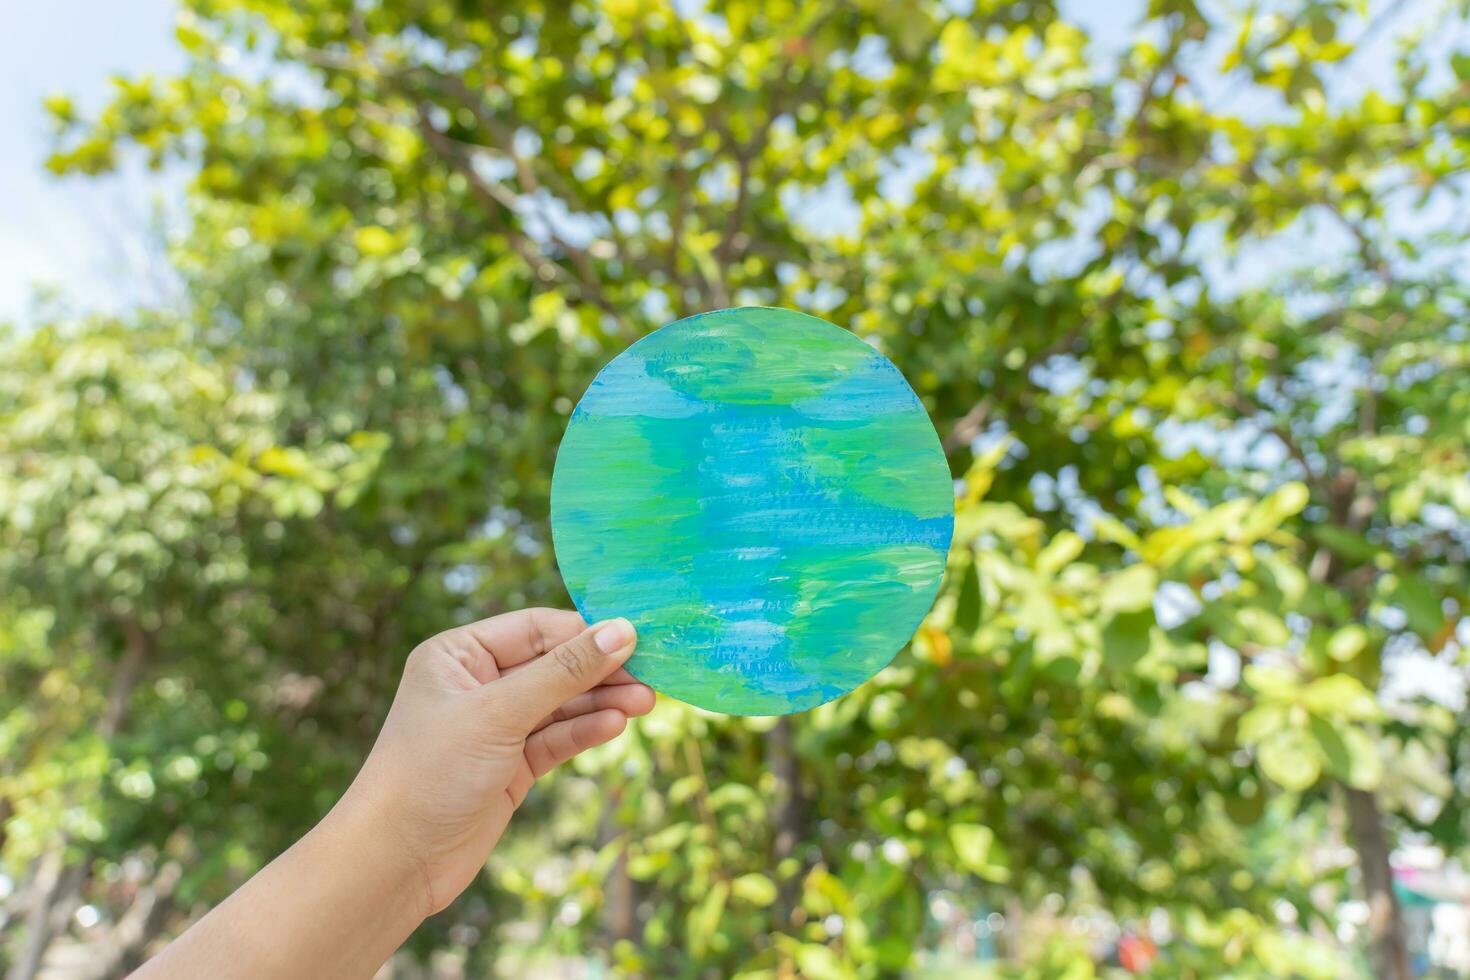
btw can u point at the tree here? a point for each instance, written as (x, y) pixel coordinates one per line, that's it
(416, 230)
(140, 481)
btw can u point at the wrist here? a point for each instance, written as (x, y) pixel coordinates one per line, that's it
(359, 835)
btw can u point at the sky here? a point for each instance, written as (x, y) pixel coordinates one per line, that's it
(82, 235)
(87, 237)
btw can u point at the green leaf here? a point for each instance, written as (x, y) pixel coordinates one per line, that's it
(1271, 681)
(1262, 627)
(971, 843)
(1347, 643)
(1340, 696)
(1109, 528)
(1260, 722)
(976, 848)
(820, 962)
(755, 888)
(1349, 752)
(1348, 544)
(1290, 758)
(1059, 553)
(704, 918)
(1130, 590)
(1126, 638)
(642, 867)
(1062, 668)
(60, 108)
(967, 607)
(1182, 501)
(1367, 762)
(1268, 514)
(376, 240)
(1334, 749)
(736, 795)
(284, 461)
(669, 838)
(1287, 576)
(1420, 603)
(1245, 809)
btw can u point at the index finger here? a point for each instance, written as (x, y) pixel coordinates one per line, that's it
(516, 637)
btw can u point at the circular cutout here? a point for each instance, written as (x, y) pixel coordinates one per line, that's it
(763, 496)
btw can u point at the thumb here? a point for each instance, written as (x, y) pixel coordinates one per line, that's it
(534, 691)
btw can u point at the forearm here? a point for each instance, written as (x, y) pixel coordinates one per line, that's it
(464, 740)
(337, 904)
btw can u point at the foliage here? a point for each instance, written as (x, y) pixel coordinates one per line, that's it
(417, 228)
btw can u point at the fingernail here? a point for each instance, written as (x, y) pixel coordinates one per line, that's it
(613, 635)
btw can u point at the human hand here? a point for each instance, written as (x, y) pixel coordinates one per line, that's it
(482, 711)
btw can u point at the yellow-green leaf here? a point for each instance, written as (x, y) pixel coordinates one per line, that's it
(1290, 758)
(754, 888)
(376, 240)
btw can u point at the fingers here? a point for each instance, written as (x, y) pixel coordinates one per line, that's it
(516, 637)
(526, 696)
(630, 700)
(619, 676)
(558, 742)
(633, 700)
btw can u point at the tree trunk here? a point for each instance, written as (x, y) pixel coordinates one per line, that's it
(618, 899)
(55, 884)
(58, 884)
(790, 811)
(1351, 507)
(139, 925)
(1388, 946)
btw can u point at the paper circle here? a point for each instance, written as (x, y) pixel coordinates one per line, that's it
(764, 497)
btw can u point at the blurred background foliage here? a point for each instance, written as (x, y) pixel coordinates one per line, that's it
(1204, 520)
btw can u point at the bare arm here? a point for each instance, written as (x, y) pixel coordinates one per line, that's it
(481, 713)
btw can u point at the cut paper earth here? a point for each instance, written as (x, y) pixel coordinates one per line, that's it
(763, 495)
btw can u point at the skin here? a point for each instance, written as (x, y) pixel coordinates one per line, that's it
(482, 712)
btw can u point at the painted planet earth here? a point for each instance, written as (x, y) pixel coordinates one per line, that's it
(763, 496)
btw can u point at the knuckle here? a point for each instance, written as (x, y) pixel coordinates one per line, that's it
(535, 619)
(575, 657)
(419, 655)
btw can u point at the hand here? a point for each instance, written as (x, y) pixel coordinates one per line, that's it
(483, 711)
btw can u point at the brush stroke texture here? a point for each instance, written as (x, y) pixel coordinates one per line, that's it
(764, 497)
